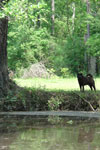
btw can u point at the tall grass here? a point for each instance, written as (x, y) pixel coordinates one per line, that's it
(68, 84)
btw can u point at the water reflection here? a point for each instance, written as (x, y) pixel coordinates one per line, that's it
(46, 134)
(86, 135)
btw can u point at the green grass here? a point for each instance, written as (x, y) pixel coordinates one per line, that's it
(68, 84)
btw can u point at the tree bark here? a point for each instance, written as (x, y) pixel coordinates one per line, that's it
(3, 55)
(68, 29)
(38, 17)
(91, 62)
(73, 16)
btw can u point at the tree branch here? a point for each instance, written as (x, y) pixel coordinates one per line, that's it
(85, 101)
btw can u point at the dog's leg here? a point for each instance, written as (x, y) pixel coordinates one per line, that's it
(90, 87)
(80, 86)
(83, 88)
(94, 87)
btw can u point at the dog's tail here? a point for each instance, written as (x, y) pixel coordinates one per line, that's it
(89, 75)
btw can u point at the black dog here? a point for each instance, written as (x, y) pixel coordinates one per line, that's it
(86, 80)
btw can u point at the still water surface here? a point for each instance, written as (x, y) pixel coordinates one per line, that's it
(50, 133)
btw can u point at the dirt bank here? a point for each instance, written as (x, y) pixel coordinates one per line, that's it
(21, 99)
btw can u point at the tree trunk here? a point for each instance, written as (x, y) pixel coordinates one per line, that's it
(92, 65)
(38, 17)
(91, 62)
(68, 29)
(73, 16)
(53, 15)
(3, 56)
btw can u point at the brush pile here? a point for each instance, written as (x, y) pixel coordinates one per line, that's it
(36, 70)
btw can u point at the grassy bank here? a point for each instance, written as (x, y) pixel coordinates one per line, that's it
(50, 94)
(68, 84)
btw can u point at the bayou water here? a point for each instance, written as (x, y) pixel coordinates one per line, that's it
(49, 133)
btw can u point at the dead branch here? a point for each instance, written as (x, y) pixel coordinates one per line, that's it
(85, 101)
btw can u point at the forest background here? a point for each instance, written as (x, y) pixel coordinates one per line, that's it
(64, 35)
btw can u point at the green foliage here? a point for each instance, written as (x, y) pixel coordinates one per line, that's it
(54, 103)
(30, 39)
(74, 54)
(94, 45)
(65, 72)
(30, 46)
(54, 120)
(70, 122)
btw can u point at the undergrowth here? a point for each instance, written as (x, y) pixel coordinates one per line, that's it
(28, 99)
(39, 99)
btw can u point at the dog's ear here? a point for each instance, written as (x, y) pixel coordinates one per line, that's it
(81, 74)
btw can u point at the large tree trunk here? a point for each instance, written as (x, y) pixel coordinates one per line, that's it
(92, 65)
(91, 62)
(3, 56)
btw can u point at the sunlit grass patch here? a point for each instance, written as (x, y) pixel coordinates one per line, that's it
(68, 84)
(50, 84)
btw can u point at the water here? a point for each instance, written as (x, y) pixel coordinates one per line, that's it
(49, 133)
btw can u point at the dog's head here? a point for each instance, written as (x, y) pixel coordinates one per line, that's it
(79, 75)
